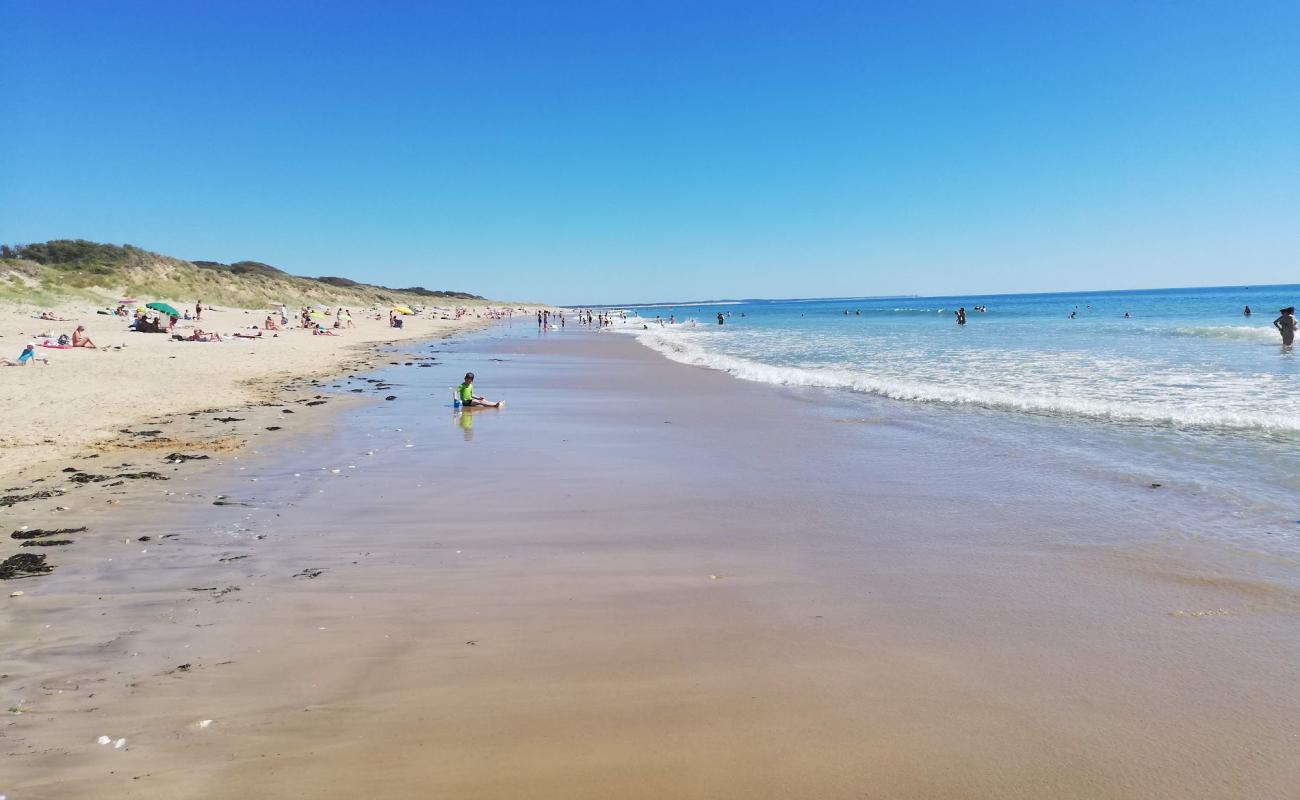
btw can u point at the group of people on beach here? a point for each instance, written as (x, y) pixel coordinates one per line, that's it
(153, 320)
(78, 338)
(595, 319)
(547, 320)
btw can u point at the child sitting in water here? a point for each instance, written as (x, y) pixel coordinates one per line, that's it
(471, 400)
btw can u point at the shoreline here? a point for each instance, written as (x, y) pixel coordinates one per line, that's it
(66, 486)
(635, 596)
(85, 399)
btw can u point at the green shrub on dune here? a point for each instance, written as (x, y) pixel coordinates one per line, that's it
(75, 268)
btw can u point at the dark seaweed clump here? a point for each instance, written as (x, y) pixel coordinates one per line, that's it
(37, 533)
(86, 477)
(11, 499)
(23, 565)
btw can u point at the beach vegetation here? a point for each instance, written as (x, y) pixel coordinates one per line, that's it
(45, 272)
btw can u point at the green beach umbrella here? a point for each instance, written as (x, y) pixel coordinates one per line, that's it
(164, 308)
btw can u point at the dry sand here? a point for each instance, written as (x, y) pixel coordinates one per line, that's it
(607, 591)
(86, 397)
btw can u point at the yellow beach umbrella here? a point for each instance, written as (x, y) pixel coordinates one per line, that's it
(403, 310)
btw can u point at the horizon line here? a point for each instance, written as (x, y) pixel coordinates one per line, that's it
(737, 300)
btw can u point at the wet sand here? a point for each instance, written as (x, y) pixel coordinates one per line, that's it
(84, 397)
(645, 580)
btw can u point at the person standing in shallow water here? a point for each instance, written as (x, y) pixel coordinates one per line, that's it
(1286, 325)
(961, 316)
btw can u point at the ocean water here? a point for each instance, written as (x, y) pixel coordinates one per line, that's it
(1185, 391)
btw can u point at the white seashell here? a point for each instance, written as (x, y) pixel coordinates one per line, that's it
(119, 744)
(103, 740)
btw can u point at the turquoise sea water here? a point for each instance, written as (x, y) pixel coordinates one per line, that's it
(1185, 391)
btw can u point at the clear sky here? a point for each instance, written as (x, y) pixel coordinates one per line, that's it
(640, 151)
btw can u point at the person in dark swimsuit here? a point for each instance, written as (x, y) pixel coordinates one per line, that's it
(1286, 325)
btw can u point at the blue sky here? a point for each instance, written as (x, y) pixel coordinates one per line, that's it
(587, 152)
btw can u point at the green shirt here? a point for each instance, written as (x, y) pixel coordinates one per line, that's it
(466, 392)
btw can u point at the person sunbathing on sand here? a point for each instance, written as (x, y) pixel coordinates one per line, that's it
(470, 400)
(201, 336)
(320, 330)
(80, 339)
(270, 324)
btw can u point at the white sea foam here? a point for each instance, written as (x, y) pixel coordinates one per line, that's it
(1236, 333)
(1158, 404)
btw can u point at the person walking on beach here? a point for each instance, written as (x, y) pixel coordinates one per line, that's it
(1286, 324)
(198, 310)
(470, 400)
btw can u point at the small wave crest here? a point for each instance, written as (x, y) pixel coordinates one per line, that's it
(1234, 333)
(683, 350)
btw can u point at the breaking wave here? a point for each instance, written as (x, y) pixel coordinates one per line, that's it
(1234, 333)
(1174, 412)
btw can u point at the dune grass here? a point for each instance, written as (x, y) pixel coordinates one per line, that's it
(61, 270)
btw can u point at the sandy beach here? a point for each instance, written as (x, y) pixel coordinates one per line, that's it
(84, 398)
(672, 401)
(640, 579)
